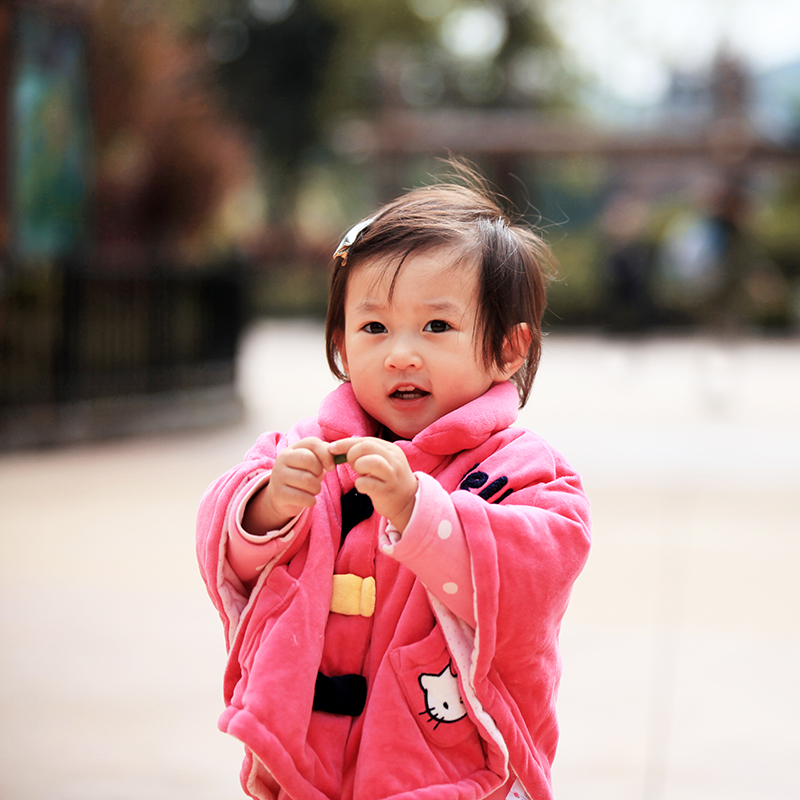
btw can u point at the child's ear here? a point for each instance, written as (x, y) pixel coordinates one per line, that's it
(515, 349)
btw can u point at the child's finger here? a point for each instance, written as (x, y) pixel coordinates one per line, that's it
(340, 449)
(374, 465)
(320, 451)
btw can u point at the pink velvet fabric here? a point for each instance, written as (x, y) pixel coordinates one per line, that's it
(521, 524)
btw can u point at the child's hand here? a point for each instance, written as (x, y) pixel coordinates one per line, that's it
(295, 482)
(383, 475)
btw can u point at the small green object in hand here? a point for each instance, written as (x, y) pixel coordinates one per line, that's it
(340, 458)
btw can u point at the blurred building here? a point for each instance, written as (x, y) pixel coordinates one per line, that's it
(120, 297)
(670, 216)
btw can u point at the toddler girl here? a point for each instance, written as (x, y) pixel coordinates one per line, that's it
(392, 574)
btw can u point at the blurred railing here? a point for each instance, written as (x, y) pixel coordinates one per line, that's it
(110, 350)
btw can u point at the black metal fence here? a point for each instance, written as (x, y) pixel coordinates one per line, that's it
(110, 350)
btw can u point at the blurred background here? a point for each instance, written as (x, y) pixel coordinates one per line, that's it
(172, 170)
(174, 175)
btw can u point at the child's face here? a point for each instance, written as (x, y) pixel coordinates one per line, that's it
(413, 359)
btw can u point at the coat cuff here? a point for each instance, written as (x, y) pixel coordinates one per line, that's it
(434, 547)
(248, 553)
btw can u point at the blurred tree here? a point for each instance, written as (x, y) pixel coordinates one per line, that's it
(272, 62)
(169, 159)
(290, 67)
(441, 52)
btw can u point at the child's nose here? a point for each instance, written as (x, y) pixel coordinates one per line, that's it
(403, 354)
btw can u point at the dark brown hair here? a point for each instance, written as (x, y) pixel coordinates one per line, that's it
(513, 263)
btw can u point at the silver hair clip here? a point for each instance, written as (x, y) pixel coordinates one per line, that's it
(350, 237)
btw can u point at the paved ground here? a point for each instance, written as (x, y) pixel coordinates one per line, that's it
(681, 646)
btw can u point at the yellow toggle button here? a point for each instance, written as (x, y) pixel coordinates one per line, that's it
(353, 595)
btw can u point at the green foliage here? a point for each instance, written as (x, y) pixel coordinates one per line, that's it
(292, 76)
(776, 227)
(295, 289)
(576, 291)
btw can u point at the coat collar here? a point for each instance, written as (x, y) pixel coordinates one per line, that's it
(467, 427)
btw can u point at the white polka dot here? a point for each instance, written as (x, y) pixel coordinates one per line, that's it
(445, 529)
(450, 588)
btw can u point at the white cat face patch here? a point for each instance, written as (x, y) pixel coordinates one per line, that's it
(443, 701)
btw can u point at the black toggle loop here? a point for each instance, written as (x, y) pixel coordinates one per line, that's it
(341, 694)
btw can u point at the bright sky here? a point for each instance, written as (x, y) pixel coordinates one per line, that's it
(632, 45)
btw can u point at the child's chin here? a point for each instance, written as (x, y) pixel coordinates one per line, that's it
(406, 432)
(405, 435)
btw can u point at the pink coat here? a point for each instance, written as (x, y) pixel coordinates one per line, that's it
(451, 709)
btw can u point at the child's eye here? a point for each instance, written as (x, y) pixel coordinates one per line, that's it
(437, 326)
(374, 327)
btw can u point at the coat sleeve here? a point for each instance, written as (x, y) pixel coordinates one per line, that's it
(524, 550)
(217, 520)
(526, 553)
(434, 547)
(527, 544)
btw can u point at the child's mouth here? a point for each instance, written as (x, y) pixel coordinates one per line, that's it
(408, 393)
